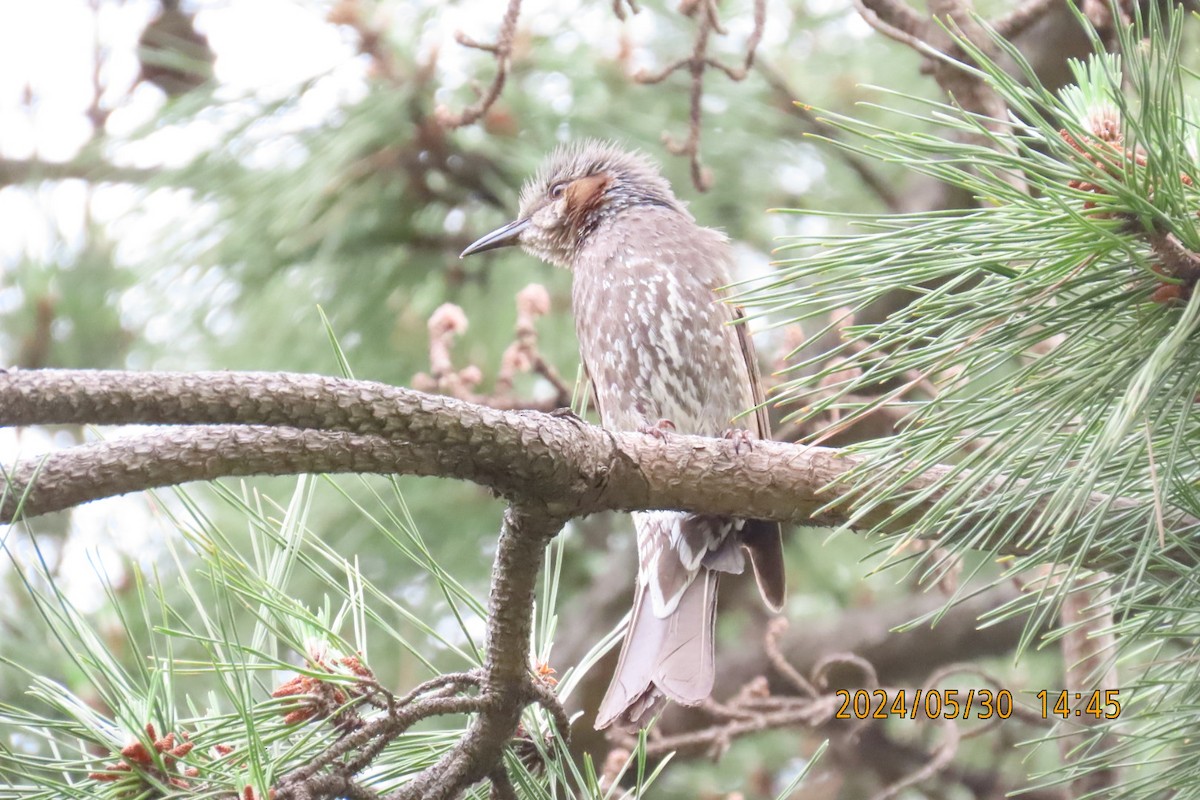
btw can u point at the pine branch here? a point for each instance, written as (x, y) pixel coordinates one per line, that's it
(507, 681)
(279, 423)
(17, 171)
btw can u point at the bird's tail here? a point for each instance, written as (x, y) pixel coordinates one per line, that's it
(668, 657)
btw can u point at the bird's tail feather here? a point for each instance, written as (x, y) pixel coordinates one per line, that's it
(765, 543)
(661, 658)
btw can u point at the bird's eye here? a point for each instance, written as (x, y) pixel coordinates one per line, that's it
(556, 191)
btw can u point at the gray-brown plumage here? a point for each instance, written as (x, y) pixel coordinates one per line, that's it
(659, 346)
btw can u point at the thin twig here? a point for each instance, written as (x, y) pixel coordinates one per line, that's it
(545, 697)
(896, 20)
(452, 679)
(825, 664)
(776, 629)
(760, 24)
(448, 321)
(940, 677)
(708, 22)
(524, 355)
(501, 49)
(715, 739)
(690, 147)
(383, 729)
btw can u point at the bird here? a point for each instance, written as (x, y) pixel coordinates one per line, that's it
(664, 352)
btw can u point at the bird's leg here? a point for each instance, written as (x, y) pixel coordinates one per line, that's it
(739, 437)
(658, 429)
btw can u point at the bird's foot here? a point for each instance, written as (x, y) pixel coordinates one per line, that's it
(658, 429)
(740, 438)
(569, 415)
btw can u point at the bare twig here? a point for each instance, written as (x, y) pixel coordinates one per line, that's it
(940, 677)
(714, 740)
(1023, 17)
(544, 696)
(708, 22)
(501, 49)
(827, 663)
(896, 20)
(448, 321)
(370, 738)
(523, 355)
(760, 23)
(899, 656)
(18, 171)
(771, 647)
(96, 112)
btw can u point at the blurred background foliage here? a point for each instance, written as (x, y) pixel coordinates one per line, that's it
(207, 223)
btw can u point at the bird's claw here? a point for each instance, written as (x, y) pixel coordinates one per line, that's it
(740, 437)
(658, 429)
(569, 415)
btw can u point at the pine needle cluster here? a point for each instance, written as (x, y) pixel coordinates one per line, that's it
(1050, 354)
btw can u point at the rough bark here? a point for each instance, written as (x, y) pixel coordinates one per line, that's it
(279, 423)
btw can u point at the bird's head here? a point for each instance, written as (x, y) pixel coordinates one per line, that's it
(577, 188)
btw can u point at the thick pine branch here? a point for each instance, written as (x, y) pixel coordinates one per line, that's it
(507, 685)
(278, 423)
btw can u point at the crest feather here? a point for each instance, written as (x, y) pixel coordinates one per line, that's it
(626, 168)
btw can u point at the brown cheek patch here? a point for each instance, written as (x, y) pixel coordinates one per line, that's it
(583, 197)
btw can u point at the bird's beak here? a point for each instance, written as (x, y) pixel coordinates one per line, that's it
(510, 234)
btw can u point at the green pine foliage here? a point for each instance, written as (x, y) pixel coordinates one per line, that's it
(1062, 345)
(188, 696)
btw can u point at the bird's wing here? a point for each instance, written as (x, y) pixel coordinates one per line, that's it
(746, 341)
(761, 537)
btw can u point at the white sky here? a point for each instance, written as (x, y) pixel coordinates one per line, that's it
(49, 46)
